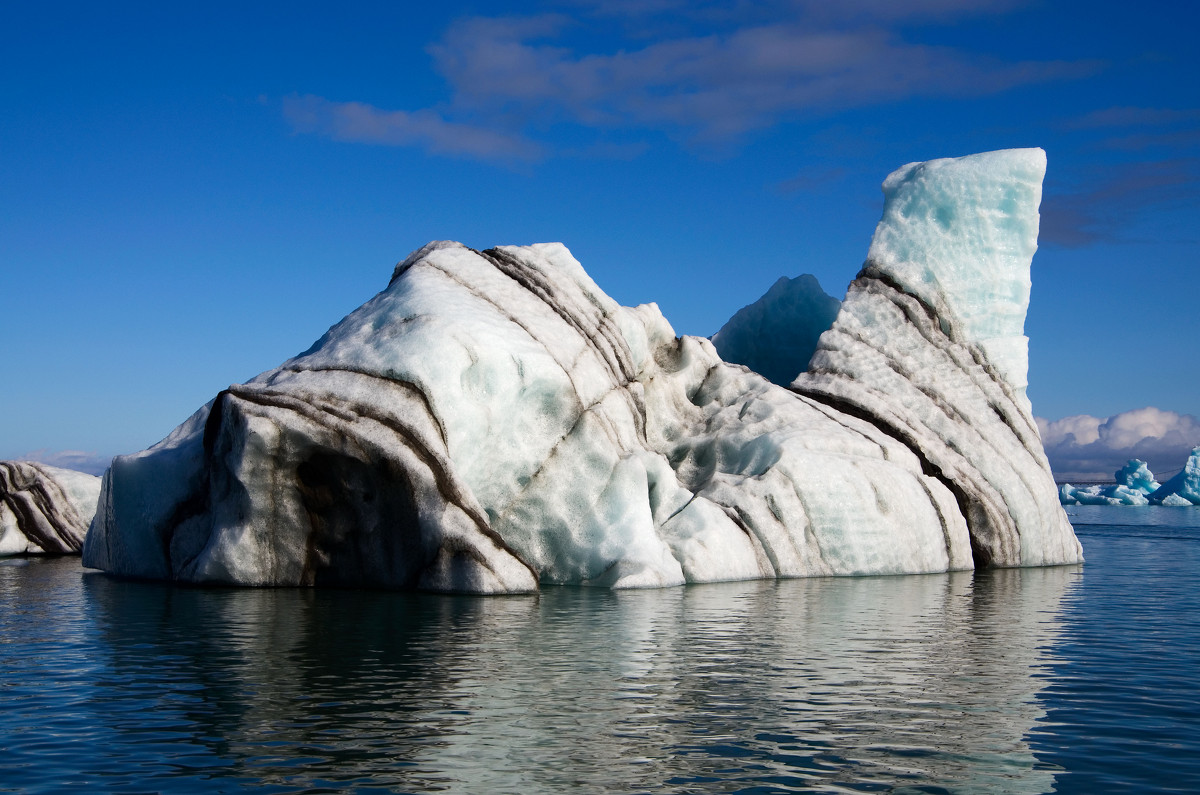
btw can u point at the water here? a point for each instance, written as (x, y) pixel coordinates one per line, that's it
(1069, 679)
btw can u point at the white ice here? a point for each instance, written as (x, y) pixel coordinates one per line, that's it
(958, 233)
(492, 422)
(44, 509)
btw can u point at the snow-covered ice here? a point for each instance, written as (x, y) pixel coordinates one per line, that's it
(492, 421)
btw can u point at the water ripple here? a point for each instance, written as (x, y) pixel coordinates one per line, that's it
(1072, 679)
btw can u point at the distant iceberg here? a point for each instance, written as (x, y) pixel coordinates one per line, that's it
(493, 422)
(1136, 476)
(776, 335)
(1135, 485)
(1184, 488)
(1134, 482)
(44, 510)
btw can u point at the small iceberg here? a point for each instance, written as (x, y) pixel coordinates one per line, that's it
(44, 510)
(1184, 488)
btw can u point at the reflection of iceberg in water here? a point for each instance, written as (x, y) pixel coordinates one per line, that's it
(916, 680)
(276, 685)
(834, 683)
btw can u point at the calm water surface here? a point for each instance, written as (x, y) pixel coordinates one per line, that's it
(1069, 679)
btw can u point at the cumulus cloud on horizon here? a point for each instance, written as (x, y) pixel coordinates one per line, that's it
(1083, 448)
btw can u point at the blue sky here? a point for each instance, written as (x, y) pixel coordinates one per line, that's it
(191, 193)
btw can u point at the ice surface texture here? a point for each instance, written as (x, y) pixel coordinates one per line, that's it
(929, 347)
(776, 335)
(492, 421)
(44, 510)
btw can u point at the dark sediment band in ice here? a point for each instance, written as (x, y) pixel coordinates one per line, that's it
(44, 510)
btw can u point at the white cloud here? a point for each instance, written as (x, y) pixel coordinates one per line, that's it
(1090, 448)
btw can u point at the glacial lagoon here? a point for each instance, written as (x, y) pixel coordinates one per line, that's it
(1064, 679)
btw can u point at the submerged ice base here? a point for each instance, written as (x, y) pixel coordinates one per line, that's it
(493, 421)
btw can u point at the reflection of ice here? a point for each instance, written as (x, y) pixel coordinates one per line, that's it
(925, 680)
(828, 683)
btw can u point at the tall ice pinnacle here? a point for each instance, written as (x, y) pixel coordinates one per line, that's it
(930, 346)
(959, 234)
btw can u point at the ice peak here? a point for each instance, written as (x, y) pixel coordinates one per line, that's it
(960, 234)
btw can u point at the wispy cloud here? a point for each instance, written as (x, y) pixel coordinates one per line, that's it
(810, 179)
(1093, 448)
(705, 72)
(1134, 117)
(713, 86)
(1172, 140)
(1098, 212)
(362, 123)
(855, 11)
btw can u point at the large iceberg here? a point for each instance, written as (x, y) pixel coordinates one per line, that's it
(929, 346)
(44, 510)
(776, 335)
(492, 421)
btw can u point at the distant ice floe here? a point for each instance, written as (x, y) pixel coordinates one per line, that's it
(493, 422)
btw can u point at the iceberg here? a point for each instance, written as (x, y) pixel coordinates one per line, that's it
(44, 510)
(776, 335)
(1133, 482)
(1115, 494)
(492, 422)
(1184, 488)
(1135, 485)
(1136, 476)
